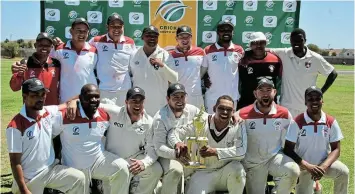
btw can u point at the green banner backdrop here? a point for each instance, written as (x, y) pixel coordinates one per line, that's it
(275, 18)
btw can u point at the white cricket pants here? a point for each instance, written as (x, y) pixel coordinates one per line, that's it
(172, 174)
(112, 170)
(118, 97)
(195, 100)
(147, 179)
(209, 104)
(278, 166)
(229, 178)
(59, 177)
(338, 171)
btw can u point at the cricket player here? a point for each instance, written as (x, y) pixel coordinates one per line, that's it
(151, 69)
(40, 66)
(82, 144)
(267, 124)
(29, 141)
(314, 143)
(221, 62)
(227, 145)
(260, 64)
(114, 52)
(188, 60)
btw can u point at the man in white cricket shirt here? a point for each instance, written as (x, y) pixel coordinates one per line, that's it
(114, 52)
(227, 145)
(221, 63)
(151, 69)
(29, 141)
(314, 143)
(81, 139)
(267, 124)
(188, 60)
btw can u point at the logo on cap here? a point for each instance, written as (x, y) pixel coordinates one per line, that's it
(177, 87)
(136, 89)
(38, 82)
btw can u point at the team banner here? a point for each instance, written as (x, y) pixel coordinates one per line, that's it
(275, 18)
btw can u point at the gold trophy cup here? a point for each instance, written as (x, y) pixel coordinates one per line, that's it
(194, 144)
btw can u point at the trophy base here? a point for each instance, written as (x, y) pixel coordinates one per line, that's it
(195, 165)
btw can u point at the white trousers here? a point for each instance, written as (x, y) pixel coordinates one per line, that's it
(229, 178)
(278, 166)
(65, 179)
(195, 100)
(112, 170)
(146, 181)
(338, 171)
(118, 97)
(172, 174)
(209, 104)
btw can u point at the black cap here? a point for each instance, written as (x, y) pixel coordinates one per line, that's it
(183, 30)
(313, 89)
(265, 81)
(225, 22)
(114, 17)
(176, 88)
(150, 29)
(44, 35)
(80, 21)
(135, 91)
(33, 85)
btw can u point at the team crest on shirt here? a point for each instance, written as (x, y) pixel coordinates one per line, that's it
(214, 57)
(303, 133)
(65, 55)
(325, 131)
(230, 144)
(252, 125)
(104, 48)
(140, 130)
(236, 57)
(272, 68)
(277, 124)
(136, 63)
(307, 64)
(76, 130)
(30, 135)
(126, 47)
(32, 74)
(176, 62)
(250, 70)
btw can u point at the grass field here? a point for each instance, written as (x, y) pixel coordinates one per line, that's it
(339, 102)
(344, 67)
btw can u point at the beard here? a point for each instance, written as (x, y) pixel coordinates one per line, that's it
(265, 103)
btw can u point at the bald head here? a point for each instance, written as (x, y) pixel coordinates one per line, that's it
(90, 99)
(89, 88)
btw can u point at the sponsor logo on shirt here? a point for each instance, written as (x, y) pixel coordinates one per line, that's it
(104, 48)
(76, 130)
(65, 55)
(307, 64)
(252, 125)
(176, 62)
(214, 57)
(30, 135)
(277, 125)
(230, 144)
(272, 68)
(136, 63)
(250, 70)
(118, 124)
(140, 130)
(303, 132)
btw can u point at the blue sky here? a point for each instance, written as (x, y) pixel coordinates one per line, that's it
(327, 23)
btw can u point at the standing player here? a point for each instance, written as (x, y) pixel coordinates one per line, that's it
(221, 62)
(260, 64)
(151, 70)
(267, 123)
(43, 67)
(82, 144)
(114, 52)
(188, 61)
(314, 143)
(29, 141)
(227, 144)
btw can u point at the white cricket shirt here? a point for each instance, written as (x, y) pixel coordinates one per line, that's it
(77, 69)
(113, 61)
(265, 132)
(81, 138)
(313, 138)
(128, 140)
(33, 139)
(153, 81)
(222, 67)
(298, 74)
(188, 68)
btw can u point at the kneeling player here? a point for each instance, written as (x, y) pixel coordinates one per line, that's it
(227, 145)
(314, 143)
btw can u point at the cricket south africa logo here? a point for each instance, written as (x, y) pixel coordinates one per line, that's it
(171, 11)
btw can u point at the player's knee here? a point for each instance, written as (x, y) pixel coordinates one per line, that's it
(236, 169)
(293, 170)
(122, 167)
(156, 170)
(344, 171)
(78, 178)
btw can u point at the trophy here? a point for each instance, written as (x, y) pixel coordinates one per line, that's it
(194, 144)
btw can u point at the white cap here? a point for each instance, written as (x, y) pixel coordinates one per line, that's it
(257, 36)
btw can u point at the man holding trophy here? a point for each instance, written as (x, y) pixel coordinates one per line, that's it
(220, 147)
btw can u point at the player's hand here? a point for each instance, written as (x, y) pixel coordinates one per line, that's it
(72, 108)
(315, 171)
(321, 169)
(57, 41)
(185, 160)
(136, 166)
(156, 62)
(236, 119)
(208, 151)
(26, 191)
(180, 150)
(19, 67)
